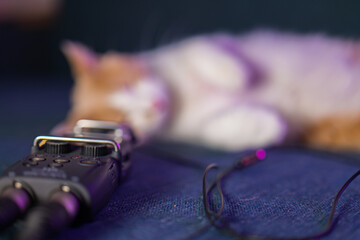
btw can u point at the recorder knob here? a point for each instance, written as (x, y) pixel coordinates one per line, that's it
(53, 147)
(94, 150)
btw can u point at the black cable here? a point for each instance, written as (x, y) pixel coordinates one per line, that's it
(220, 223)
(153, 150)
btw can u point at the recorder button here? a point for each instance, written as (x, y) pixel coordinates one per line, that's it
(55, 165)
(61, 160)
(37, 159)
(89, 162)
(30, 164)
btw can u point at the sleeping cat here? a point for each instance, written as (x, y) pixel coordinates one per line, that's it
(225, 92)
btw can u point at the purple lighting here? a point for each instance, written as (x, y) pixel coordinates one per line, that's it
(261, 154)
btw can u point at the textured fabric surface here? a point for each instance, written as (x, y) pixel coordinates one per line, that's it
(288, 194)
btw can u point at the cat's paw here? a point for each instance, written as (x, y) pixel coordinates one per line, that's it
(242, 127)
(61, 129)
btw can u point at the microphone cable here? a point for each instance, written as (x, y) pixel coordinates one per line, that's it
(220, 223)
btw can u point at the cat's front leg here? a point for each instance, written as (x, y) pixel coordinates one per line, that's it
(243, 126)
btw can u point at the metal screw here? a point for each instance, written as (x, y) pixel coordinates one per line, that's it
(65, 188)
(17, 185)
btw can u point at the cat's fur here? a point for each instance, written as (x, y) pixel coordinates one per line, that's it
(226, 92)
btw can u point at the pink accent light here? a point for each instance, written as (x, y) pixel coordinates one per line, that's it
(261, 154)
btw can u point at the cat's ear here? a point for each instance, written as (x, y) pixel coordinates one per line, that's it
(82, 59)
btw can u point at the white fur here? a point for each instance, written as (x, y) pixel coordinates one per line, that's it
(213, 66)
(302, 78)
(140, 102)
(242, 92)
(243, 126)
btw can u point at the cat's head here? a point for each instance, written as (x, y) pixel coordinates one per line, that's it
(114, 87)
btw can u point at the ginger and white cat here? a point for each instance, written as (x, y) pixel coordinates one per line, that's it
(226, 92)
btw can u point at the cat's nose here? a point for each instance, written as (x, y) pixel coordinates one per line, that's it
(159, 105)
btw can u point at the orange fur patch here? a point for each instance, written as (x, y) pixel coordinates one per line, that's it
(95, 81)
(115, 70)
(338, 132)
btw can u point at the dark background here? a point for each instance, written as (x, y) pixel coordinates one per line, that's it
(32, 66)
(136, 25)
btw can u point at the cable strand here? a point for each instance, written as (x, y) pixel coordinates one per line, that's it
(215, 217)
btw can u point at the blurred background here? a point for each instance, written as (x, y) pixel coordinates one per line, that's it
(32, 30)
(35, 80)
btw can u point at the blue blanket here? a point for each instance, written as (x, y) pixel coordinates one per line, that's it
(287, 195)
